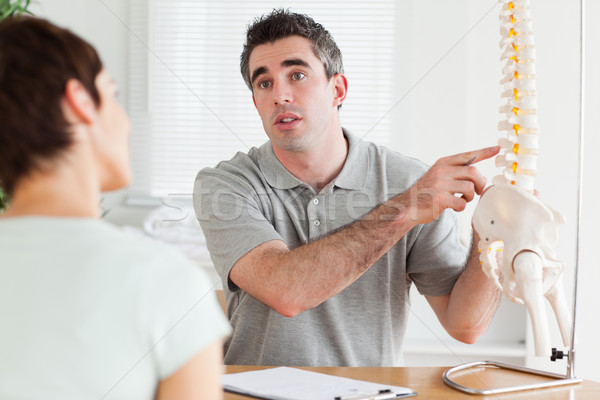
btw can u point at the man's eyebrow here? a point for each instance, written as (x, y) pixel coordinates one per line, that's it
(294, 61)
(285, 63)
(258, 71)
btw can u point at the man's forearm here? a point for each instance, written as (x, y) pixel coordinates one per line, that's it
(303, 278)
(473, 301)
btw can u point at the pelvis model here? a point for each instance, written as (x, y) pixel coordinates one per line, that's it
(509, 218)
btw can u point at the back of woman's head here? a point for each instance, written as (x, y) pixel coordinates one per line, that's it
(37, 59)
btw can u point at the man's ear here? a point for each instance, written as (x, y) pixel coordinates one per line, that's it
(254, 100)
(340, 87)
(80, 105)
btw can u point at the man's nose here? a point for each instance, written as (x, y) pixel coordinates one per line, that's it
(282, 93)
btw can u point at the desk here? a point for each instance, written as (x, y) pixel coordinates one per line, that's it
(427, 382)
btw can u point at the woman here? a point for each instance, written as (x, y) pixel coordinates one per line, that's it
(87, 312)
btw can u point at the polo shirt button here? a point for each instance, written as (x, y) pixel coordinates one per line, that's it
(317, 222)
(315, 201)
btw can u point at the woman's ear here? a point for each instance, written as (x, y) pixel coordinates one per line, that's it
(79, 103)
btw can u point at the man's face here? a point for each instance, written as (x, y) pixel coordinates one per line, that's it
(296, 102)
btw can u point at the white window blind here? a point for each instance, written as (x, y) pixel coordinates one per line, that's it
(189, 105)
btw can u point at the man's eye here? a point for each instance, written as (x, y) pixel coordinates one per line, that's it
(264, 84)
(297, 76)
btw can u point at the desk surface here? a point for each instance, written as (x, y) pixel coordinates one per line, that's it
(427, 382)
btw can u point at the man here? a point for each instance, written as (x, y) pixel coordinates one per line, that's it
(319, 235)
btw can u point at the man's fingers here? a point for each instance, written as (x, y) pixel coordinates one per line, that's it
(465, 189)
(486, 153)
(464, 175)
(453, 181)
(471, 161)
(471, 157)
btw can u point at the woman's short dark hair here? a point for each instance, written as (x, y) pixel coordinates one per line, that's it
(37, 58)
(280, 24)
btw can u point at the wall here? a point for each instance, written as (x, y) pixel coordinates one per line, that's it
(448, 95)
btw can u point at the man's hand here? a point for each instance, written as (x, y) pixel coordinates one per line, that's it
(450, 183)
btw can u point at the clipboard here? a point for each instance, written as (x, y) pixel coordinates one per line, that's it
(285, 383)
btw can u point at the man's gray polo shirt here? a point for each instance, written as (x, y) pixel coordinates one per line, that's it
(252, 199)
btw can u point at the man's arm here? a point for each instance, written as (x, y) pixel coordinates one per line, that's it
(292, 281)
(466, 312)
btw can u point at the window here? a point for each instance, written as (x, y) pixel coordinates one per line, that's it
(189, 105)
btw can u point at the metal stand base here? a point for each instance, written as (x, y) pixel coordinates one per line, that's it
(560, 379)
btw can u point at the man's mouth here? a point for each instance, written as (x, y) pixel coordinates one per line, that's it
(287, 121)
(287, 117)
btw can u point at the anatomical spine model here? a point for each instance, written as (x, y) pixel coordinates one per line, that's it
(508, 217)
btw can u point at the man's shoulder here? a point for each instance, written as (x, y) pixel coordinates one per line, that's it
(240, 173)
(240, 166)
(240, 163)
(394, 160)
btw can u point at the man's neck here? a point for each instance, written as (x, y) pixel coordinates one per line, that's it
(321, 165)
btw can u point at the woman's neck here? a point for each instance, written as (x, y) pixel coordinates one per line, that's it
(63, 191)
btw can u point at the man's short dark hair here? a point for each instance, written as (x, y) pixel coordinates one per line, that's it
(37, 59)
(280, 24)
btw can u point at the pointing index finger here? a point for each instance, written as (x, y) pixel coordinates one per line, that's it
(470, 161)
(473, 157)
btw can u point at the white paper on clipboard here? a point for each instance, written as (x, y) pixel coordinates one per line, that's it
(285, 383)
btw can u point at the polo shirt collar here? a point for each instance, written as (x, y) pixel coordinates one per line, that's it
(353, 175)
(273, 170)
